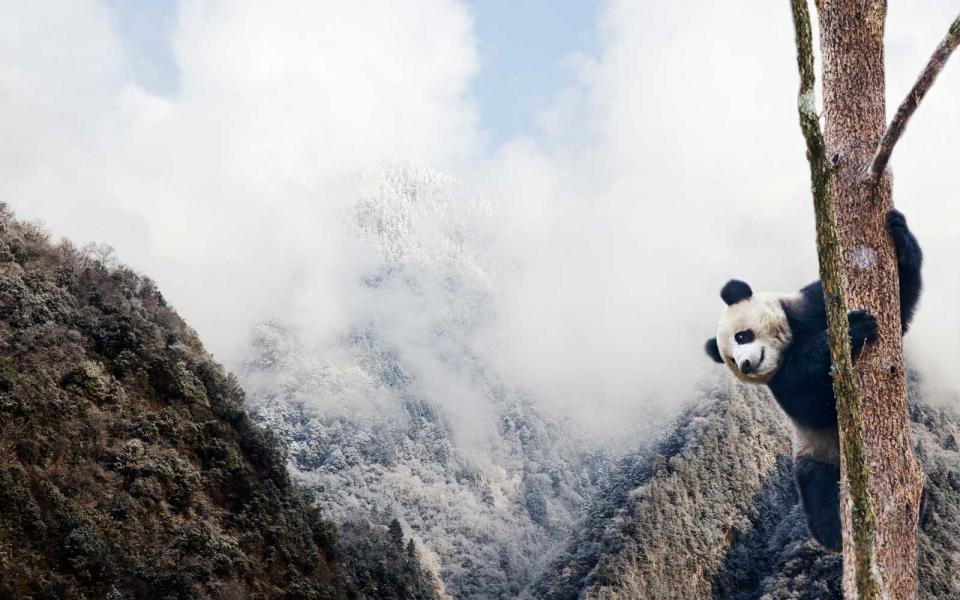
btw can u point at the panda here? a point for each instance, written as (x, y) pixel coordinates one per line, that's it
(780, 340)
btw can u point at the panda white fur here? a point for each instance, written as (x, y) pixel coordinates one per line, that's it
(780, 340)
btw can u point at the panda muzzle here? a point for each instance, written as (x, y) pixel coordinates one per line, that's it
(746, 367)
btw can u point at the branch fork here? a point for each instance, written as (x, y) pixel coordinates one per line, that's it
(891, 136)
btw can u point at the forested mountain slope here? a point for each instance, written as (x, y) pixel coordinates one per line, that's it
(712, 513)
(128, 469)
(400, 417)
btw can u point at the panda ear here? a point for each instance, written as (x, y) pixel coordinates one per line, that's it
(713, 351)
(734, 291)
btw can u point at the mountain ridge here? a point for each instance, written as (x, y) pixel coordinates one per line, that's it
(712, 512)
(399, 415)
(130, 469)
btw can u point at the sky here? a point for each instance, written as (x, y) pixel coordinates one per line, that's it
(526, 50)
(145, 28)
(635, 155)
(523, 48)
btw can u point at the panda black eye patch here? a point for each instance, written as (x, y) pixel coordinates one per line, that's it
(744, 337)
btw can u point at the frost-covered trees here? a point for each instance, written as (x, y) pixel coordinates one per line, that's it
(400, 420)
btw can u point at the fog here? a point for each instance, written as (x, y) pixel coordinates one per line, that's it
(672, 163)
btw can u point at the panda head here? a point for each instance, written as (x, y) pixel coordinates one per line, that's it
(752, 335)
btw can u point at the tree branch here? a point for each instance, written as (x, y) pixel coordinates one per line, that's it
(806, 101)
(929, 74)
(856, 468)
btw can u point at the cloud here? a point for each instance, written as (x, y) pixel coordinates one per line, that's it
(674, 165)
(228, 192)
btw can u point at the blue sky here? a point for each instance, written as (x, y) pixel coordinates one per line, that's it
(145, 27)
(522, 46)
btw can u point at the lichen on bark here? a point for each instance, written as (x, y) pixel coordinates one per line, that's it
(854, 457)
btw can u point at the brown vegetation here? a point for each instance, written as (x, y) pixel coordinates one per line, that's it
(128, 468)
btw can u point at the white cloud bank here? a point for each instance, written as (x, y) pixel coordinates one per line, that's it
(227, 193)
(674, 163)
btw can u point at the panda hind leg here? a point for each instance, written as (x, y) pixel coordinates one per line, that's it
(819, 485)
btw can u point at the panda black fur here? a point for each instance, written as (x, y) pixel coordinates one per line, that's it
(781, 340)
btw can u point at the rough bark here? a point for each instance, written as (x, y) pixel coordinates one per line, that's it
(860, 528)
(851, 41)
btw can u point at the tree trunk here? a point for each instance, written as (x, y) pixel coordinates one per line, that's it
(851, 40)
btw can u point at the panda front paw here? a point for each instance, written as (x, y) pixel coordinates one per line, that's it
(908, 250)
(863, 329)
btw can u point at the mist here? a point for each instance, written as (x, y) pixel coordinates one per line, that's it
(672, 163)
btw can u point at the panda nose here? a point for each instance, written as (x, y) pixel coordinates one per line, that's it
(745, 367)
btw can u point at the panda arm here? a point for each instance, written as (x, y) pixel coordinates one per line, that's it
(909, 261)
(806, 313)
(803, 386)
